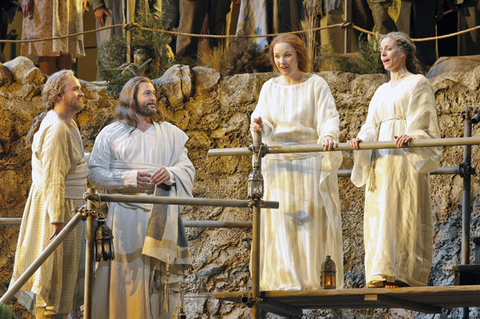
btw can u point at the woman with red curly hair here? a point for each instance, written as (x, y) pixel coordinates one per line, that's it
(298, 108)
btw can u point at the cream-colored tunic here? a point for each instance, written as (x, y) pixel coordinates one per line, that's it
(398, 225)
(126, 287)
(57, 156)
(296, 238)
(52, 18)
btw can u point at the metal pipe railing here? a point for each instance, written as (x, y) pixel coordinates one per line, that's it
(230, 223)
(41, 259)
(10, 221)
(181, 201)
(217, 224)
(440, 171)
(186, 223)
(345, 147)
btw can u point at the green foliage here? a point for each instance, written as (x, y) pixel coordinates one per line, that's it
(238, 56)
(6, 312)
(365, 61)
(150, 53)
(371, 55)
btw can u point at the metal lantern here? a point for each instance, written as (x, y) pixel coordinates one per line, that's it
(255, 184)
(328, 274)
(103, 241)
(182, 314)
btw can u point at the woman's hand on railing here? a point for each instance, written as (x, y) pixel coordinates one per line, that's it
(328, 143)
(402, 140)
(256, 125)
(353, 143)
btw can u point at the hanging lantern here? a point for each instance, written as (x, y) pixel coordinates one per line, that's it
(328, 273)
(103, 241)
(255, 183)
(182, 314)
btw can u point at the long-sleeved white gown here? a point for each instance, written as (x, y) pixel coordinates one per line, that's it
(296, 238)
(398, 226)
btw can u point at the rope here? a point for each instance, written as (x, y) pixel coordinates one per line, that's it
(125, 26)
(270, 35)
(129, 26)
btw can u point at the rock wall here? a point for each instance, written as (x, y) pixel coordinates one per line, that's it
(214, 111)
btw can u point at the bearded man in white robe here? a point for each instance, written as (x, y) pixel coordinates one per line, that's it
(136, 155)
(59, 179)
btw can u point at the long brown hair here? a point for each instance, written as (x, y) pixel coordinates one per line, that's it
(54, 87)
(128, 101)
(296, 43)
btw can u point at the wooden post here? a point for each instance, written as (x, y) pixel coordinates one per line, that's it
(348, 29)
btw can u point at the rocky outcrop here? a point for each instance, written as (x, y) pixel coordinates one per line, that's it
(214, 111)
(454, 64)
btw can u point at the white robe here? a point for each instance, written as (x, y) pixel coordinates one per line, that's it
(307, 227)
(59, 181)
(398, 226)
(126, 287)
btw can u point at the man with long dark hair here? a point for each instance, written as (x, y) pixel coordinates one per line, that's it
(136, 155)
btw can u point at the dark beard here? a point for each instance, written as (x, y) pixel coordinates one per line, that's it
(145, 110)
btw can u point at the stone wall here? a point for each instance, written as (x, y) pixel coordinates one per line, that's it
(214, 111)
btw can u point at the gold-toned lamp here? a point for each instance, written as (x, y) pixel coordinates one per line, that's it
(328, 274)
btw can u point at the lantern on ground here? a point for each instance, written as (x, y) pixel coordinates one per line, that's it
(328, 274)
(255, 183)
(103, 241)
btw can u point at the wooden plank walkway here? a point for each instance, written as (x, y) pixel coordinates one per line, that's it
(430, 299)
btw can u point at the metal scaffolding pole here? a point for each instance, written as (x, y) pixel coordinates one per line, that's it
(186, 223)
(217, 223)
(345, 147)
(10, 221)
(466, 171)
(178, 200)
(41, 259)
(256, 160)
(440, 171)
(89, 258)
